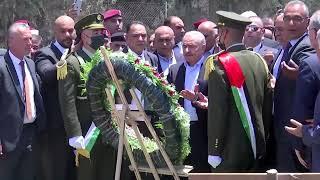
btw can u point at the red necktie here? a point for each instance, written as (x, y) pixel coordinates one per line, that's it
(26, 92)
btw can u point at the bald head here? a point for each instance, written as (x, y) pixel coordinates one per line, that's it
(163, 29)
(20, 40)
(210, 32)
(194, 45)
(164, 41)
(254, 32)
(64, 31)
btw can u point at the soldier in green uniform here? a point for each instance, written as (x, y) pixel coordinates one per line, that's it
(239, 100)
(75, 105)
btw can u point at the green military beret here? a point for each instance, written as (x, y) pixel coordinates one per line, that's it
(232, 20)
(92, 21)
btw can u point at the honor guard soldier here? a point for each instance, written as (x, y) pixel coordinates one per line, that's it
(239, 107)
(100, 162)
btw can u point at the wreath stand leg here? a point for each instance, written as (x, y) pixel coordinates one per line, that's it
(129, 117)
(121, 124)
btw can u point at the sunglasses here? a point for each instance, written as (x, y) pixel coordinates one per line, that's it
(252, 28)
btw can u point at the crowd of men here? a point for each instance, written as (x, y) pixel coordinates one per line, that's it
(249, 84)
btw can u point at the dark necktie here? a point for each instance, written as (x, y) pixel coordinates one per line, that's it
(26, 93)
(285, 56)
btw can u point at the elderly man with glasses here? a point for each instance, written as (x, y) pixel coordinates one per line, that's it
(306, 107)
(296, 20)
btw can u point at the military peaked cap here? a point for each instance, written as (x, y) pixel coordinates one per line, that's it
(232, 20)
(92, 21)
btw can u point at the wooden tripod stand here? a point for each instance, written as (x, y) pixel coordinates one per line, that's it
(126, 116)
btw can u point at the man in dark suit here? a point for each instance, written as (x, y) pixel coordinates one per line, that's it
(295, 23)
(57, 159)
(163, 43)
(177, 25)
(210, 32)
(22, 112)
(136, 38)
(307, 89)
(185, 76)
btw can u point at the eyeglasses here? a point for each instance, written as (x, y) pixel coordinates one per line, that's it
(295, 19)
(252, 28)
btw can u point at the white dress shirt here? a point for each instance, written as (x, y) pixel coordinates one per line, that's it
(166, 63)
(191, 77)
(61, 49)
(178, 52)
(18, 69)
(257, 48)
(277, 64)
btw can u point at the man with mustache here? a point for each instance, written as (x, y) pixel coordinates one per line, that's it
(57, 159)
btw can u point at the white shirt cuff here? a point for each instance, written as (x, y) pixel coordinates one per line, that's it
(214, 161)
(77, 142)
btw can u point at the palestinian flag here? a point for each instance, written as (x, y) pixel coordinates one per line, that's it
(89, 141)
(237, 81)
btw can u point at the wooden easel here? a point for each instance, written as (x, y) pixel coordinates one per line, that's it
(126, 116)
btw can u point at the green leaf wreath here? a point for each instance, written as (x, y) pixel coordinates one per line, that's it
(182, 118)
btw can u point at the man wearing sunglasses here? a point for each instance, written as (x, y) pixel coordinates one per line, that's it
(254, 38)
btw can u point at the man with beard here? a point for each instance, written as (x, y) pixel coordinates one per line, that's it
(57, 158)
(75, 106)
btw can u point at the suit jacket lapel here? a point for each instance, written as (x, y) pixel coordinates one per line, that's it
(33, 76)
(56, 51)
(14, 76)
(202, 70)
(180, 80)
(159, 64)
(83, 55)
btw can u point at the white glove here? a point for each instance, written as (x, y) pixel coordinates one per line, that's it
(214, 161)
(77, 142)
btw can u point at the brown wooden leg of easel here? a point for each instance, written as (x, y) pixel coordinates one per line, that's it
(124, 141)
(155, 136)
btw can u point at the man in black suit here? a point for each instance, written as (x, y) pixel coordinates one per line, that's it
(296, 19)
(307, 88)
(136, 38)
(22, 112)
(57, 159)
(185, 76)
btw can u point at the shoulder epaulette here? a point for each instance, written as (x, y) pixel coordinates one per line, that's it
(62, 69)
(209, 67)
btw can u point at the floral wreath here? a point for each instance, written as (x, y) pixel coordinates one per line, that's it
(180, 117)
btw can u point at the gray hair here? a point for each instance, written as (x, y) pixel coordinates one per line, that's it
(15, 27)
(297, 2)
(315, 24)
(198, 35)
